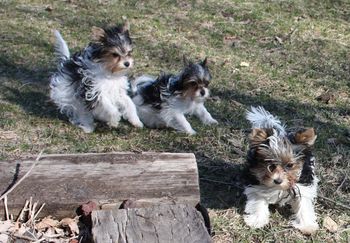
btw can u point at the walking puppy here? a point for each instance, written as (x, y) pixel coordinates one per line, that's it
(92, 84)
(281, 165)
(164, 101)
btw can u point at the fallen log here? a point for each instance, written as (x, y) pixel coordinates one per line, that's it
(63, 182)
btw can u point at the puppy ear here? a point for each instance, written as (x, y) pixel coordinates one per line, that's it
(258, 136)
(97, 33)
(126, 26)
(305, 136)
(204, 62)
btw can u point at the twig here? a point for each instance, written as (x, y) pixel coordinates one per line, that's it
(6, 208)
(39, 210)
(42, 239)
(20, 180)
(32, 211)
(341, 184)
(334, 202)
(24, 209)
(21, 237)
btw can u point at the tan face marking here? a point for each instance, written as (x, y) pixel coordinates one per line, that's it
(114, 62)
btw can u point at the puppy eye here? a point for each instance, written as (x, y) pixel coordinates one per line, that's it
(271, 168)
(192, 83)
(289, 166)
(115, 55)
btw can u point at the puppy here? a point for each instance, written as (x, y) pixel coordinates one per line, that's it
(92, 84)
(281, 166)
(164, 101)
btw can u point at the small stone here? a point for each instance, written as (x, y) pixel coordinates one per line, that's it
(330, 224)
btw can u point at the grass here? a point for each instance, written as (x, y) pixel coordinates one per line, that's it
(296, 50)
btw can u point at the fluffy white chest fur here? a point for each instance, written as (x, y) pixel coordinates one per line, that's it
(111, 94)
(259, 197)
(107, 92)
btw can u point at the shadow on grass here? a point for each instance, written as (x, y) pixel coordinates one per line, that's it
(221, 184)
(26, 87)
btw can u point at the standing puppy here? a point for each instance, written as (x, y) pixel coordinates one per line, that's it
(164, 101)
(92, 84)
(281, 166)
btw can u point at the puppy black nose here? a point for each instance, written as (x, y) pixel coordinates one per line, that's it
(277, 181)
(202, 92)
(126, 64)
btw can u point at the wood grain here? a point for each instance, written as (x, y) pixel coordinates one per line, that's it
(64, 182)
(162, 224)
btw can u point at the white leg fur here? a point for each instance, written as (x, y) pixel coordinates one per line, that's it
(130, 113)
(84, 120)
(257, 212)
(303, 207)
(202, 113)
(180, 123)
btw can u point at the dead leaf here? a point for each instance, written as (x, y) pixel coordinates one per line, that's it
(21, 229)
(4, 238)
(47, 222)
(5, 226)
(279, 40)
(244, 64)
(71, 223)
(231, 41)
(59, 231)
(330, 224)
(88, 207)
(49, 8)
(8, 135)
(327, 97)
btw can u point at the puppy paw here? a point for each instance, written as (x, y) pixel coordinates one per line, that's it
(255, 221)
(114, 124)
(212, 121)
(87, 129)
(306, 229)
(191, 132)
(138, 124)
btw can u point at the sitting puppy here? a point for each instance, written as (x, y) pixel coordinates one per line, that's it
(164, 101)
(281, 165)
(92, 84)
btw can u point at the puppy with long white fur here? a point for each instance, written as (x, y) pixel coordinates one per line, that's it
(92, 84)
(281, 166)
(164, 101)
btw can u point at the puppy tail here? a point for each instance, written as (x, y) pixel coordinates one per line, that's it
(261, 118)
(139, 81)
(61, 48)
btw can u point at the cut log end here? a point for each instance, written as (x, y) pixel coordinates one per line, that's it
(163, 223)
